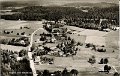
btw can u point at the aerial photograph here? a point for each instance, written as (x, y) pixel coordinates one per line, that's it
(59, 38)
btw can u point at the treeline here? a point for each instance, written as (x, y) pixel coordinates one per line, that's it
(23, 41)
(65, 72)
(56, 13)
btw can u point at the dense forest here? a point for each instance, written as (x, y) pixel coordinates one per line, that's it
(56, 13)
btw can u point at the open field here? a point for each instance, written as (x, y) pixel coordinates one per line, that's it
(81, 38)
(9, 24)
(96, 40)
(88, 36)
(112, 39)
(14, 27)
(13, 48)
(74, 28)
(62, 62)
(109, 39)
(8, 37)
(88, 32)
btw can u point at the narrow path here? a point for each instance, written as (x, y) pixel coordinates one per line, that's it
(30, 53)
(31, 38)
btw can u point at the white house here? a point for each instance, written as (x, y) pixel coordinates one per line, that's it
(19, 58)
(37, 59)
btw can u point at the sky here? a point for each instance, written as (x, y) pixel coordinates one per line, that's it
(61, 2)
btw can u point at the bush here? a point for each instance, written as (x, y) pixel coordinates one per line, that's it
(88, 45)
(4, 41)
(107, 68)
(22, 53)
(79, 44)
(92, 60)
(101, 50)
(105, 61)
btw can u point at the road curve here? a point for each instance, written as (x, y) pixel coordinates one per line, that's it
(30, 53)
